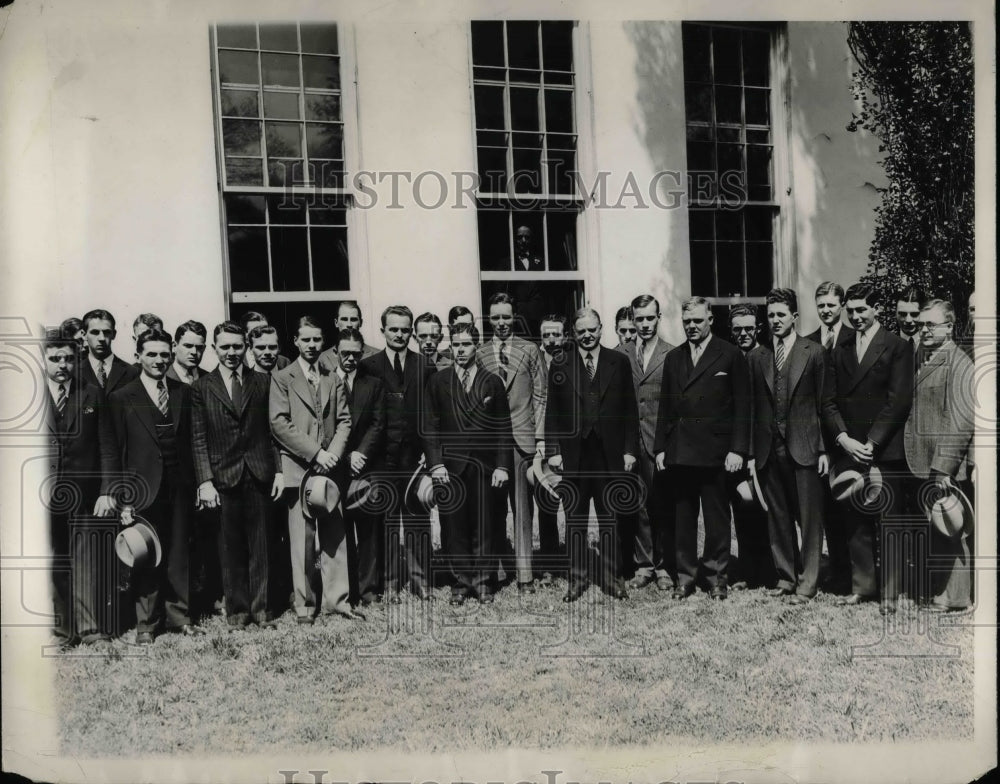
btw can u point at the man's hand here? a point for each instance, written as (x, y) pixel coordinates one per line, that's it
(752, 464)
(358, 461)
(208, 496)
(440, 474)
(861, 453)
(943, 483)
(555, 462)
(128, 515)
(734, 462)
(277, 486)
(499, 477)
(629, 462)
(325, 461)
(823, 467)
(661, 461)
(105, 506)
(539, 449)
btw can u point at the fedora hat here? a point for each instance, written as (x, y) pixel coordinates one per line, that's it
(748, 489)
(319, 495)
(544, 482)
(357, 493)
(419, 495)
(138, 545)
(951, 514)
(849, 479)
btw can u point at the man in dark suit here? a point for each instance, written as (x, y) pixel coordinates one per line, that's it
(792, 393)
(874, 391)
(592, 433)
(364, 450)
(152, 423)
(702, 433)
(428, 333)
(909, 300)
(470, 441)
(348, 317)
(103, 369)
(653, 537)
(250, 321)
(81, 464)
(833, 332)
(235, 468)
(404, 376)
(553, 331)
(189, 347)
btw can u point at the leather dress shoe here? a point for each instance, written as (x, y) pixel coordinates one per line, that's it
(144, 638)
(267, 625)
(664, 584)
(486, 596)
(304, 620)
(887, 608)
(457, 599)
(641, 581)
(618, 590)
(682, 592)
(798, 599)
(190, 630)
(528, 587)
(545, 580)
(718, 593)
(739, 585)
(575, 592)
(781, 592)
(852, 600)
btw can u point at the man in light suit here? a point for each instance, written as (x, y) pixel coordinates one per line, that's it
(103, 369)
(311, 422)
(702, 433)
(653, 535)
(469, 440)
(518, 364)
(937, 440)
(874, 390)
(189, 347)
(592, 433)
(152, 421)
(348, 317)
(235, 468)
(792, 393)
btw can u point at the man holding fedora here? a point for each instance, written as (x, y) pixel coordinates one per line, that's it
(873, 379)
(937, 439)
(311, 422)
(792, 391)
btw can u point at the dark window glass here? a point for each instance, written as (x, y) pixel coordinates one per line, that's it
(522, 45)
(244, 208)
(322, 107)
(282, 106)
(487, 43)
(240, 103)
(561, 241)
(243, 171)
(238, 67)
(494, 240)
(240, 36)
(329, 255)
(321, 72)
(289, 258)
(241, 137)
(281, 37)
(319, 38)
(280, 70)
(557, 46)
(248, 259)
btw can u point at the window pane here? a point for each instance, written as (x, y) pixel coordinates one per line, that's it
(697, 58)
(280, 70)
(240, 103)
(286, 209)
(319, 38)
(243, 171)
(728, 225)
(557, 46)
(760, 265)
(522, 44)
(756, 58)
(527, 171)
(238, 67)
(727, 105)
(758, 223)
(533, 246)
(286, 171)
(323, 215)
(489, 106)
(241, 208)
(730, 268)
(329, 255)
(730, 158)
(702, 270)
(487, 43)
(523, 109)
(289, 258)
(284, 106)
(700, 223)
(758, 136)
(562, 241)
(241, 36)
(758, 111)
(324, 140)
(758, 165)
(561, 166)
(282, 37)
(726, 51)
(492, 169)
(321, 72)
(559, 111)
(494, 240)
(701, 156)
(328, 174)
(283, 140)
(725, 134)
(241, 137)
(322, 107)
(700, 133)
(248, 259)
(698, 103)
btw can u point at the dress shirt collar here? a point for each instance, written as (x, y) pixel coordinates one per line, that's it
(699, 347)
(788, 340)
(826, 331)
(870, 333)
(95, 363)
(227, 377)
(187, 376)
(392, 357)
(473, 370)
(152, 387)
(596, 351)
(54, 388)
(305, 366)
(347, 378)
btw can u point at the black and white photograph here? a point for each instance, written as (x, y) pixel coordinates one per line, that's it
(536, 392)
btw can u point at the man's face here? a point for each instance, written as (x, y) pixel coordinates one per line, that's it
(309, 342)
(463, 349)
(828, 306)
(933, 328)
(99, 335)
(60, 364)
(155, 357)
(625, 330)
(907, 314)
(229, 348)
(502, 319)
(553, 337)
(860, 314)
(697, 322)
(265, 351)
(744, 332)
(645, 320)
(397, 331)
(522, 240)
(781, 319)
(588, 332)
(428, 337)
(348, 316)
(349, 354)
(189, 350)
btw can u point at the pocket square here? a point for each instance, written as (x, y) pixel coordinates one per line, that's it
(722, 373)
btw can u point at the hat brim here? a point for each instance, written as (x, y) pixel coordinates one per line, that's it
(758, 493)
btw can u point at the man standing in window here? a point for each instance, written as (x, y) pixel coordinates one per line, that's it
(702, 433)
(104, 370)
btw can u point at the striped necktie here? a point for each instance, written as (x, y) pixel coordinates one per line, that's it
(61, 400)
(779, 355)
(163, 399)
(466, 380)
(590, 366)
(828, 344)
(102, 374)
(504, 362)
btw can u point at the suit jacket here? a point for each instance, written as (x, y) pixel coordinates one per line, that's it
(845, 336)
(525, 387)
(225, 439)
(138, 456)
(465, 427)
(810, 399)
(939, 430)
(704, 409)
(872, 400)
(121, 373)
(404, 404)
(331, 362)
(299, 428)
(647, 389)
(367, 406)
(171, 373)
(617, 415)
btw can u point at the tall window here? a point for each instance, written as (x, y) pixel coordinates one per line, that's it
(280, 140)
(526, 144)
(732, 207)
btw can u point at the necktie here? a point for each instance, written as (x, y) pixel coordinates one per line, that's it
(237, 391)
(102, 375)
(162, 400)
(61, 400)
(466, 379)
(313, 377)
(504, 363)
(397, 366)
(828, 343)
(695, 353)
(779, 355)
(590, 366)
(861, 346)
(349, 385)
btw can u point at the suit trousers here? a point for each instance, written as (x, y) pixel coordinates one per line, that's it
(793, 492)
(653, 525)
(368, 552)
(82, 585)
(206, 561)
(243, 548)
(951, 576)
(874, 533)
(707, 485)
(415, 546)
(334, 584)
(279, 576)
(590, 483)
(518, 491)
(838, 553)
(60, 577)
(755, 566)
(163, 593)
(469, 523)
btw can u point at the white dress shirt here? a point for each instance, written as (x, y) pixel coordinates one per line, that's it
(227, 378)
(697, 349)
(789, 341)
(96, 363)
(825, 332)
(864, 339)
(151, 387)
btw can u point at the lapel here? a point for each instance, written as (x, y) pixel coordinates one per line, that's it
(74, 402)
(411, 370)
(604, 372)
(143, 406)
(874, 351)
(796, 362)
(934, 365)
(709, 357)
(301, 386)
(766, 359)
(175, 391)
(218, 387)
(116, 372)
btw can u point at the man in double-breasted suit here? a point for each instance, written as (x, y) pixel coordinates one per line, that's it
(80, 469)
(152, 422)
(792, 392)
(518, 363)
(592, 433)
(404, 375)
(311, 423)
(653, 536)
(702, 432)
(102, 368)
(874, 390)
(235, 468)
